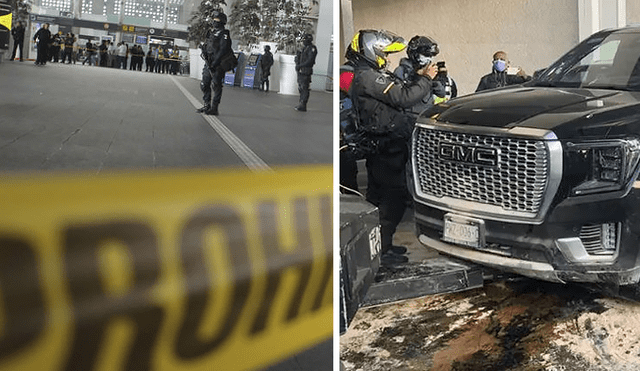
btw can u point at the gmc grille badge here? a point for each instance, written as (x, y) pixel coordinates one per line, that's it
(482, 156)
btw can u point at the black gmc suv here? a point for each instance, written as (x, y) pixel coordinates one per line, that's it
(540, 179)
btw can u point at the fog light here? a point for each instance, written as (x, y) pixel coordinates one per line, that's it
(600, 239)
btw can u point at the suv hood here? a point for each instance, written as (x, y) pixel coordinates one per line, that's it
(568, 112)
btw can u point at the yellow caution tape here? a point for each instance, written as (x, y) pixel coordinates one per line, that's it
(5, 20)
(164, 270)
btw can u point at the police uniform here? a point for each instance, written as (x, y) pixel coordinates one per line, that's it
(382, 99)
(305, 59)
(68, 47)
(55, 48)
(18, 40)
(218, 45)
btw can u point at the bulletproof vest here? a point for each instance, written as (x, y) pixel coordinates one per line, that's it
(380, 118)
(213, 41)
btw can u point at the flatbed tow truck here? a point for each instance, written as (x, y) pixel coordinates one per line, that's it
(364, 282)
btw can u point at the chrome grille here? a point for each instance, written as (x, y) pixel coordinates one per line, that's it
(516, 184)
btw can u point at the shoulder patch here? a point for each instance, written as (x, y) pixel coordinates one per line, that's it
(382, 80)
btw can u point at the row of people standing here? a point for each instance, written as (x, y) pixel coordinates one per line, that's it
(162, 59)
(61, 47)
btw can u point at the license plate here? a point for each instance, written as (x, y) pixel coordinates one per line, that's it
(462, 230)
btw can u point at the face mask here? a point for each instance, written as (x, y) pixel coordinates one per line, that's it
(423, 60)
(217, 24)
(499, 65)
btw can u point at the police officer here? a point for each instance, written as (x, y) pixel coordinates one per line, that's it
(217, 45)
(54, 51)
(43, 37)
(18, 40)
(305, 59)
(69, 40)
(420, 53)
(265, 67)
(381, 99)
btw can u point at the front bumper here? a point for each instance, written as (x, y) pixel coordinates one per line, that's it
(552, 250)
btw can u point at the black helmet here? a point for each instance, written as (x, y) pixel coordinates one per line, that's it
(267, 48)
(307, 38)
(421, 49)
(221, 16)
(374, 46)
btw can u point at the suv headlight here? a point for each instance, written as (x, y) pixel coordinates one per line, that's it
(602, 166)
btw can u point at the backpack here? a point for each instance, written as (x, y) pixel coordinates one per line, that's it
(353, 137)
(348, 113)
(229, 62)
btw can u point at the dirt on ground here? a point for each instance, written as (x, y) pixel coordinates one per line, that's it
(513, 324)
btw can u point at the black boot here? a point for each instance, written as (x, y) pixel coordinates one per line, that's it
(204, 108)
(213, 110)
(301, 107)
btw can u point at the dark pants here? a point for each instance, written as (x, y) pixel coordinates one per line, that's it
(55, 54)
(42, 54)
(387, 188)
(89, 58)
(304, 81)
(149, 64)
(16, 44)
(67, 54)
(212, 80)
(264, 83)
(348, 172)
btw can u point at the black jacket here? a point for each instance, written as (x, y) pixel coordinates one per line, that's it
(382, 99)
(217, 45)
(18, 33)
(305, 59)
(43, 36)
(406, 71)
(265, 63)
(499, 79)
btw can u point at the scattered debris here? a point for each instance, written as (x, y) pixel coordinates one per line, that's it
(517, 324)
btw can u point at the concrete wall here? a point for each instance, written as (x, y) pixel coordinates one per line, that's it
(534, 33)
(323, 38)
(633, 12)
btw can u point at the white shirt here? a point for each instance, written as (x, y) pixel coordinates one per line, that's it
(122, 51)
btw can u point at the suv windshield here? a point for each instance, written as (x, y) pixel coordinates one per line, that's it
(606, 60)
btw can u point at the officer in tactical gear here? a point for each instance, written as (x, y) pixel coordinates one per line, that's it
(305, 59)
(420, 53)
(380, 99)
(216, 46)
